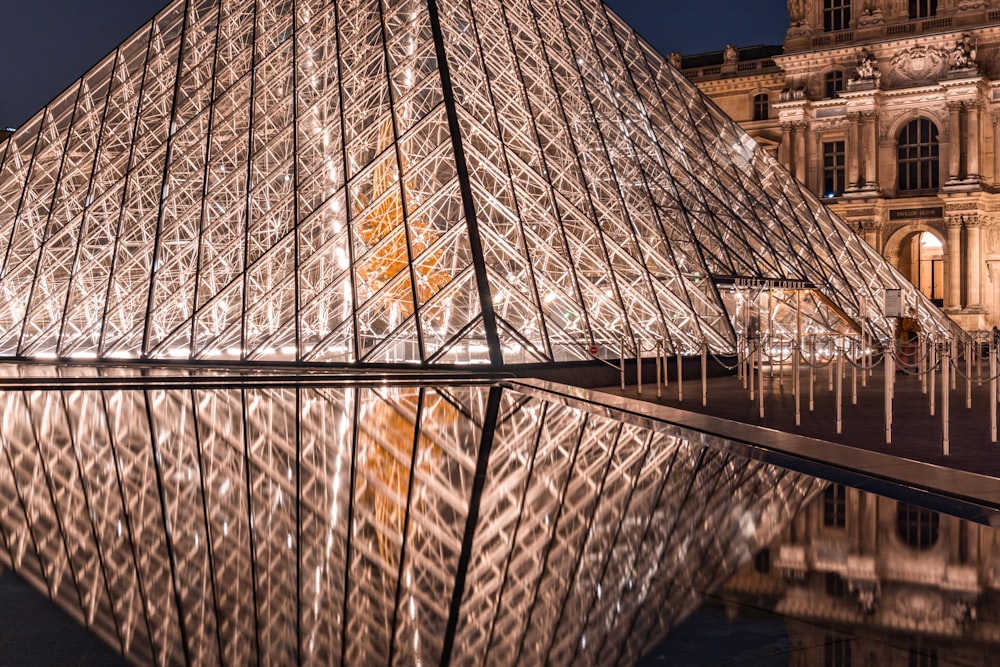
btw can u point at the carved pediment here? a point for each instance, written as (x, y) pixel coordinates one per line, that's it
(920, 63)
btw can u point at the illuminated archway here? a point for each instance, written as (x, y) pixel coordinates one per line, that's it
(920, 253)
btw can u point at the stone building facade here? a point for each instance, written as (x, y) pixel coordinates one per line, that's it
(868, 581)
(888, 109)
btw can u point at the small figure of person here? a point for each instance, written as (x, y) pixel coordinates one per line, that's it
(908, 339)
(730, 55)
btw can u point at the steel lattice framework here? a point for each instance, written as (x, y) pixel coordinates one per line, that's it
(385, 181)
(339, 524)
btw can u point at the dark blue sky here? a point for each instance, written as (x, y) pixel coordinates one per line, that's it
(45, 45)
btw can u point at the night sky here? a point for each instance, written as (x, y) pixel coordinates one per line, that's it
(45, 45)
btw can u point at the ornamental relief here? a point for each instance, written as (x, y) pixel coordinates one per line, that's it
(918, 64)
(991, 237)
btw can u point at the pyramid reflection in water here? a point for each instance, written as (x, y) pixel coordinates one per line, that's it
(339, 524)
(404, 181)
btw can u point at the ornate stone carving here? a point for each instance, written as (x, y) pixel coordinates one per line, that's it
(867, 68)
(797, 11)
(730, 55)
(919, 606)
(675, 59)
(871, 13)
(969, 206)
(789, 94)
(963, 54)
(972, 5)
(991, 238)
(920, 63)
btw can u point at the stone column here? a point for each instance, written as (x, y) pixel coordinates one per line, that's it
(953, 266)
(785, 149)
(800, 151)
(996, 150)
(954, 140)
(852, 151)
(973, 134)
(973, 296)
(871, 149)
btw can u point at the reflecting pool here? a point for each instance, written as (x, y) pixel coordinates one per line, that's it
(193, 519)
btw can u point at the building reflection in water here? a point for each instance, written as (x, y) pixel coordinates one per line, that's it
(370, 524)
(864, 580)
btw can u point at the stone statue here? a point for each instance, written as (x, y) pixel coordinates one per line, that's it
(867, 70)
(963, 55)
(675, 59)
(797, 11)
(730, 55)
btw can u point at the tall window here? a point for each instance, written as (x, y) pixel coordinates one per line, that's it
(835, 506)
(760, 106)
(917, 156)
(923, 8)
(836, 15)
(833, 168)
(834, 83)
(917, 526)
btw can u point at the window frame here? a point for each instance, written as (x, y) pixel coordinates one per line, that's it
(833, 83)
(922, 9)
(918, 160)
(834, 166)
(836, 15)
(761, 106)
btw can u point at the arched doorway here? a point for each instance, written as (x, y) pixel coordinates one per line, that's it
(921, 260)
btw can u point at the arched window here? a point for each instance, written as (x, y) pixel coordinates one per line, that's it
(760, 106)
(917, 156)
(834, 83)
(836, 15)
(920, 9)
(916, 526)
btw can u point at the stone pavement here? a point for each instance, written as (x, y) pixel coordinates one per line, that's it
(915, 434)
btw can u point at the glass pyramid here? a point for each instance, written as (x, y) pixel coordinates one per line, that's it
(398, 181)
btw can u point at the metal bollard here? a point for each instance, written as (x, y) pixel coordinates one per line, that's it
(854, 384)
(666, 367)
(890, 371)
(968, 374)
(933, 376)
(797, 382)
(812, 375)
(945, 366)
(680, 379)
(760, 389)
(924, 354)
(704, 373)
(993, 393)
(638, 366)
(840, 389)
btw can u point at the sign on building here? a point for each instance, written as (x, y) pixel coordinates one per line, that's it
(893, 303)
